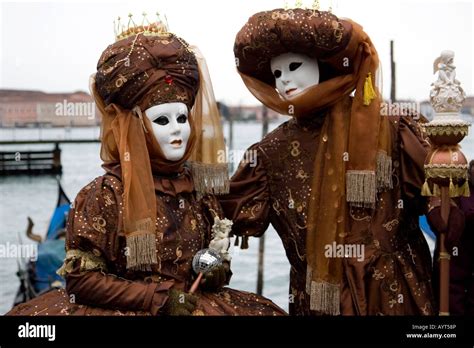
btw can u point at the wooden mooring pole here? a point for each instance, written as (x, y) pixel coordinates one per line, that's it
(393, 84)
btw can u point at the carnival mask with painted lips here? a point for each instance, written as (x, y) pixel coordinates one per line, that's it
(294, 73)
(171, 128)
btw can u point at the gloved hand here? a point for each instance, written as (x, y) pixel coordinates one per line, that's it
(216, 278)
(455, 226)
(180, 303)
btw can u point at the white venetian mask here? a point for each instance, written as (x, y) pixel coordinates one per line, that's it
(171, 128)
(294, 73)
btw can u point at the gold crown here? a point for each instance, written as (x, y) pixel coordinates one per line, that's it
(157, 28)
(316, 6)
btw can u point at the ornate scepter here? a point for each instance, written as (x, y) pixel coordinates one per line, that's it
(446, 166)
(207, 259)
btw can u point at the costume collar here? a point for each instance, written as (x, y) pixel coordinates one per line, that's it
(170, 184)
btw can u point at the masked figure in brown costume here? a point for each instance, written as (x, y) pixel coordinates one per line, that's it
(341, 180)
(133, 232)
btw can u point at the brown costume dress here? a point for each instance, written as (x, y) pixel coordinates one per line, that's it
(394, 276)
(133, 232)
(98, 282)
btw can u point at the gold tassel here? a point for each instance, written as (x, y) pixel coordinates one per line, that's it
(453, 192)
(384, 171)
(425, 190)
(325, 298)
(464, 190)
(436, 191)
(369, 91)
(210, 178)
(142, 246)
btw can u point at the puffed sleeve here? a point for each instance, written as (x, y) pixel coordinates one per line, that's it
(106, 290)
(92, 250)
(414, 148)
(248, 202)
(94, 223)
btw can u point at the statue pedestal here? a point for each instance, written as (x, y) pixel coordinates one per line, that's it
(453, 118)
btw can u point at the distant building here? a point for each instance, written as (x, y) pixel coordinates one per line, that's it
(468, 106)
(19, 108)
(247, 113)
(427, 110)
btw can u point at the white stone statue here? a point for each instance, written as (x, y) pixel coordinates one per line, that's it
(447, 70)
(447, 95)
(220, 237)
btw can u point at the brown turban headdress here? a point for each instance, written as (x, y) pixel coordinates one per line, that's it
(134, 74)
(353, 159)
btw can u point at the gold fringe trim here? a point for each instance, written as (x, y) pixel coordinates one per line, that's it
(361, 188)
(446, 129)
(454, 190)
(89, 262)
(325, 298)
(210, 178)
(444, 171)
(384, 172)
(141, 246)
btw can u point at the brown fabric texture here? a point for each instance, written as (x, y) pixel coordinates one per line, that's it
(183, 227)
(146, 71)
(397, 262)
(353, 160)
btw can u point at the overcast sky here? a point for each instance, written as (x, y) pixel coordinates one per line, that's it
(54, 46)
